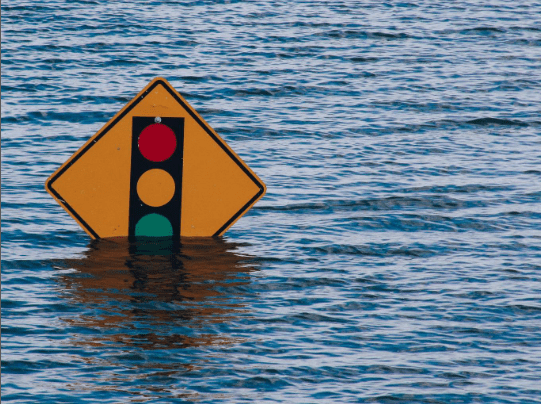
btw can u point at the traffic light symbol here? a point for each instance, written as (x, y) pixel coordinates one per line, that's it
(156, 177)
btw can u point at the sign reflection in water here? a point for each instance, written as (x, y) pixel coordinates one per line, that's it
(155, 295)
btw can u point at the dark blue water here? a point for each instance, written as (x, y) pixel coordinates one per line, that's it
(396, 257)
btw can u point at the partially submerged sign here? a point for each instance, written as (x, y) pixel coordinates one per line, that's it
(155, 169)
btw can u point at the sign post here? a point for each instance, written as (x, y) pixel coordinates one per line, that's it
(156, 169)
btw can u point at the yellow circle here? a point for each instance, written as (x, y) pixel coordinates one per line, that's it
(156, 187)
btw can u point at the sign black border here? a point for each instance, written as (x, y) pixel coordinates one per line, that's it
(139, 98)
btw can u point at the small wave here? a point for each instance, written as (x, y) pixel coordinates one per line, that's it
(251, 132)
(361, 59)
(519, 28)
(254, 91)
(522, 308)
(419, 222)
(474, 30)
(198, 79)
(26, 8)
(388, 35)
(387, 369)
(311, 24)
(496, 121)
(484, 29)
(525, 41)
(394, 202)
(451, 123)
(46, 116)
(125, 62)
(380, 250)
(466, 189)
(286, 90)
(362, 34)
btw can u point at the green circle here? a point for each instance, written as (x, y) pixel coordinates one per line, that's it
(153, 225)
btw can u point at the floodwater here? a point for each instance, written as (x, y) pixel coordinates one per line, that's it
(395, 258)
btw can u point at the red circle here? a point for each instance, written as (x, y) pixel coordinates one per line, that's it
(157, 142)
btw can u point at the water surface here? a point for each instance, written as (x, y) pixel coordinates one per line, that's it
(395, 257)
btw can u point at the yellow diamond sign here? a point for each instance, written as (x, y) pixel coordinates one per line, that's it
(156, 169)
